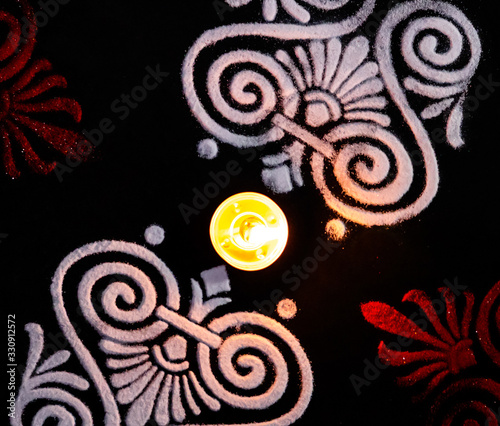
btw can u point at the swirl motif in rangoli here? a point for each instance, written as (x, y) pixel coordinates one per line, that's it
(358, 108)
(150, 358)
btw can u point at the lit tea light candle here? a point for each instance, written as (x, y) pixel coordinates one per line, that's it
(249, 231)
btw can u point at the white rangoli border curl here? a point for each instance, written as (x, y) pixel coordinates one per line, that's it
(109, 298)
(385, 196)
(112, 416)
(380, 168)
(253, 379)
(455, 80)
(340, 81)
(276, 31)
(428, 48)
(146, 379)
(38, 384)
(384, 57)
(245, 77)
(241, 319)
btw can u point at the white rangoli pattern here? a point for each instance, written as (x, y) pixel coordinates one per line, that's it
(149, 361)
(357, 107)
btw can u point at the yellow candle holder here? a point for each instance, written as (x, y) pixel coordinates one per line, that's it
(249, 231)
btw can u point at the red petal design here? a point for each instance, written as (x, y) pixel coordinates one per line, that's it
(398, 358)
(451, 311)
(491, 418)
(61, 139)
(41, 87)
(451, 360)
(15, 53)
(425, 303)
(36, 67)
(14, 35)
(450, 393)
(436, 380)
(8, 159)
(388, 319)
(420, 374)
(35, 162)
(467, 318)
(483, 326)
(17, 63)
(53, 105)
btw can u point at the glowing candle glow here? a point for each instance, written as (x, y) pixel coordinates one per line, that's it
(249, 231)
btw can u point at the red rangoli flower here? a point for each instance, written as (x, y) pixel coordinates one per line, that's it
(449, 352)
(24, 97)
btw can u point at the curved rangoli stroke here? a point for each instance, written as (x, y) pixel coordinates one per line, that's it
(161, 363)
(328, 91)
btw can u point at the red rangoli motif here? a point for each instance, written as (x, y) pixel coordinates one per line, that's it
(26, 96)
(448, 351)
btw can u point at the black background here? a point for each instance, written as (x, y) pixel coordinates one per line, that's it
(149, 165)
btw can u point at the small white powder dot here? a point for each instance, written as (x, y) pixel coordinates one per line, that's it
(336, 229)
(154, 235)
(208, 149)
(287, 309)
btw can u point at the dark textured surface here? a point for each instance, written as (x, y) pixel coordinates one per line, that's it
(148, 166)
